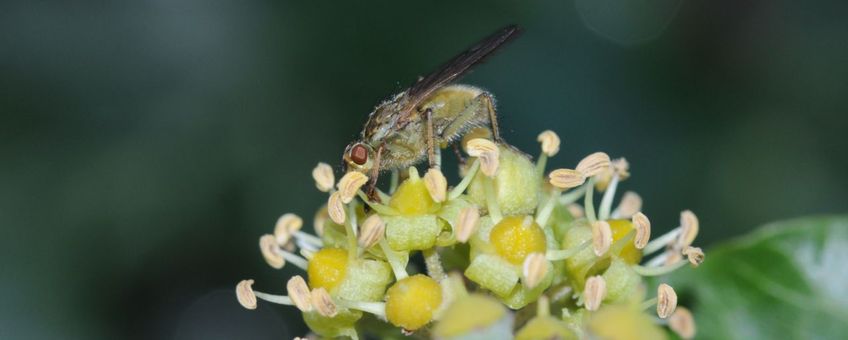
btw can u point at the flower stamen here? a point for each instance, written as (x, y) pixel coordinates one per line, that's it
(247, 296)
(467, 223)
(643, 230)
(299, 293)
(466, 180)
(323, 176)
(349, 185)
(594, 292)
(630, 204)
(535, 268)
(437, 184)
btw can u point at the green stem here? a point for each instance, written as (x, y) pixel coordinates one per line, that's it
(562, 254)
(573, 195)
(460, 188)
(294, 259)
(382, 209)
(350, 229)
(619, 245)
(588, 203)
(540, 164)
(394, 262)
(543, 307)
(278, 299)
(376, 308)
(309, 238)
(492, 200)
(662, 241)
(434, 264)
(657, 271)
(606, 201)
(546, 211)
(648, 304)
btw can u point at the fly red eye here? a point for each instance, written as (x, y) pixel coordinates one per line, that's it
(359, 154)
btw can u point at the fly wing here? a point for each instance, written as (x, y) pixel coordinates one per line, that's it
(459, 66)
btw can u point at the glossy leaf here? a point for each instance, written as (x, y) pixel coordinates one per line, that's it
(788, 280)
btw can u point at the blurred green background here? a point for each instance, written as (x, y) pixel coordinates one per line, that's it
(144, 146)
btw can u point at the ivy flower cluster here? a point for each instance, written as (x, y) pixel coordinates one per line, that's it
(510, 251)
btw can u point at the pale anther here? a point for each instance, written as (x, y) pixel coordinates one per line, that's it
(271, 252)
(323, 176)
(371, 231)
(349, 185)
(323, 303)
(695, 255)
(643, 230)
(299, 293)
(682, 323)
(601, 237)
(666, 300)
(535, 268)
(437, 184)
(593, 164)
(487, 152)
(467, 222)
(550, 142)
(690, 226)
(566, 178)
(286, 226)
(630, 204)
(336, 209)
(245, 295)
(594, 292)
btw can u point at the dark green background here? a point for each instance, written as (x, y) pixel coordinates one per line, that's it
(144, 146)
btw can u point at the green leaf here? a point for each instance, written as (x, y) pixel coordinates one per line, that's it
(788, 280)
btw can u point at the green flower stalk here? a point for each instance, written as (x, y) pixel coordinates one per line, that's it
(508, 252)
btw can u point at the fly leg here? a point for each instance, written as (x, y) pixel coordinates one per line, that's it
(458, 153)
(479, 113)
(372, 179)
(489, 106)
(432, 156)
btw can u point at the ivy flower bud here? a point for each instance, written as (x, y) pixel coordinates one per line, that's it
(516, 237)
(550, 142)
(349, 185)
(666, 300)
(323, 176)
(245, 295)
(594, 292)
(411, 302)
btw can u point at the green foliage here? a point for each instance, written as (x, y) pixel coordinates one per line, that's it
(785, 281)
